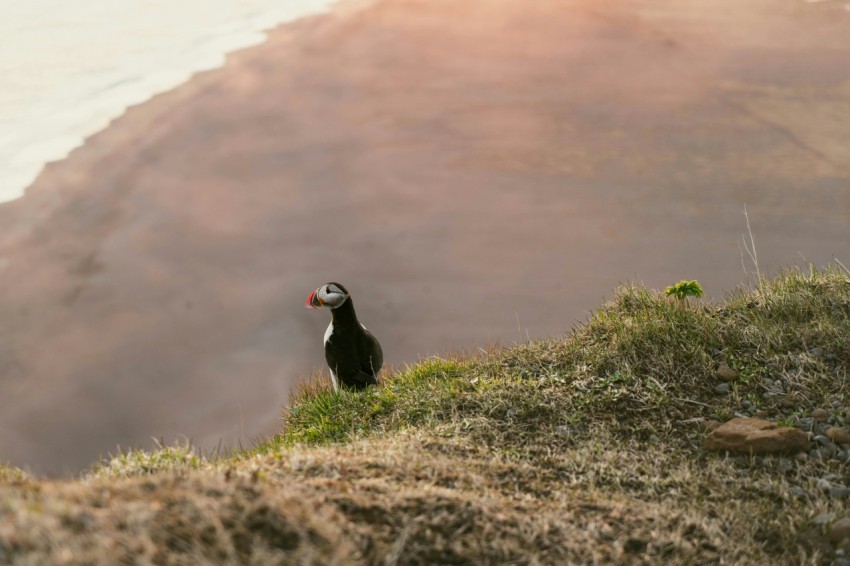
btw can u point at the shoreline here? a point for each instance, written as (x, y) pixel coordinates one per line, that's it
(107, 95)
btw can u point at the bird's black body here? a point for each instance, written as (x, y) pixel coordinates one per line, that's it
(353, 354)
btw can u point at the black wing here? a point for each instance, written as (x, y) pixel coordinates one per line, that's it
(373, 357)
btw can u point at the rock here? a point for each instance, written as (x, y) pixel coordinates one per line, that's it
(823, 453)
(796, 491)
(722, 389)
(823, 485)
(805, 423)
(761, 414)
(725, 373)
(840, 530)
(838, 435)
(820, 415)
(756, 436)
(816, 352)
(839, 492)
(801, 457)
(823, 440)
(784, 465)
(821, 519)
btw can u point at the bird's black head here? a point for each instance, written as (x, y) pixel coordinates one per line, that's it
(331, 295)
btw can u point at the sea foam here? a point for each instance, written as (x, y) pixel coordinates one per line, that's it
(69, 68)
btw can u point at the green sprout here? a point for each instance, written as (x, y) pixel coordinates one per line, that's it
(684, 289)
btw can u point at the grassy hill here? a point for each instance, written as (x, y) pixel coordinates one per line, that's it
(577, 449)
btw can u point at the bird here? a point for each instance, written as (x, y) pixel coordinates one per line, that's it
(354, 356)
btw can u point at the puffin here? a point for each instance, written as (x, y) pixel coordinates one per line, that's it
(354, 356)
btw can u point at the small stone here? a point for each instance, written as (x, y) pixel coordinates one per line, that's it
(788, 403)
(725, 373)
(722, 389)
(821, 519)
(746, 404)
(801, 457)
(784, 465)
(840, 530)
(839, 492)
(838, 435)
(823, 485)
(823, 440)
(805, 423)
(840, 455)
(760, 414)
(820, 415)
(796, 491)
(816, 352)
(837, 404)
(756, 436)
(823, 453)
(653, 438)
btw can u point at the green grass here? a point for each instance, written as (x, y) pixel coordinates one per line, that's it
(642, 364)
(578, 449)
(11, 474)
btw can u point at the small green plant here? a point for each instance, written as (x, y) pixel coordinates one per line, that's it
(684, 289)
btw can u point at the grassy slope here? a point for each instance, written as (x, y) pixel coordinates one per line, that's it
(575, 449)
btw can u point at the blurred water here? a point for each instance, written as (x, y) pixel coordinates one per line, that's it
(68, 68)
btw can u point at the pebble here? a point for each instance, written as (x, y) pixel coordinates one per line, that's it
(839, 492)
(823, 485)
(820, 415)
(725, 373)
(839, 531)
(722, 389)
(823, 453)
(837, 404)
(805, 423)
(801, 456)
(760, 414)
(823, 440)
(784, 465)
(838, 435)
(796, 491)
(816, 352)
(821, 519)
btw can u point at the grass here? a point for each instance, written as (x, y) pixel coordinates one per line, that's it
(571, 450)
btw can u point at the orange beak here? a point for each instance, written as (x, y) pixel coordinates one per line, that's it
(313, 301)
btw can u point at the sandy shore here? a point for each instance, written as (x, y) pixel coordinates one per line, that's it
(473, 171)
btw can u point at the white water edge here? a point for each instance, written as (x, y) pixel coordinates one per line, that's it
(67, 69)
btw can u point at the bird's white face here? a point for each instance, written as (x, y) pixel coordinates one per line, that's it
(330, 295)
